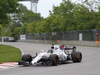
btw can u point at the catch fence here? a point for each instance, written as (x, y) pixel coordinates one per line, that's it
(83, 35)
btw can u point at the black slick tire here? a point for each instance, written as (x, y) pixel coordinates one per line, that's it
(27, 57)
(54, 59)
(76, 56)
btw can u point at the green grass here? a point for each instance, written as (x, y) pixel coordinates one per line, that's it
(9, 54)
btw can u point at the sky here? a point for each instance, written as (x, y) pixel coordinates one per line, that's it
(43, 6)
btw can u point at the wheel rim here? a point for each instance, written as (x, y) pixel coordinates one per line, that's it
(56, 60)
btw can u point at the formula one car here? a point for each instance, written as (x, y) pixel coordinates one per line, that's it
(56, 55)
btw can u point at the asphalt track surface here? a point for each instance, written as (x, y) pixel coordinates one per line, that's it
(90, 64)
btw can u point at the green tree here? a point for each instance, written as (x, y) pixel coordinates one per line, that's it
(24, 28)
(42, 26)
(23, 21)
(7, 7)
(65, 11)
(98, 18)
(1, 29)
(55, 25)
(93, 8)
(81, 16)
(31, 27)
(30, 16)
(16, 32)
(17, 17)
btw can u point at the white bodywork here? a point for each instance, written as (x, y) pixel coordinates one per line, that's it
(61, 54)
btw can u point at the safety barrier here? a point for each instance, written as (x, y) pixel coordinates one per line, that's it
(80, 37)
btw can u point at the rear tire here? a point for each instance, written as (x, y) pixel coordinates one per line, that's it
(76, 56)
(54, 59)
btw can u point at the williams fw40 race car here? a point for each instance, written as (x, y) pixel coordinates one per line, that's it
(58, 54)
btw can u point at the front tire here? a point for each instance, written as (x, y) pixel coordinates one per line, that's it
(27, 58)
(54, 59)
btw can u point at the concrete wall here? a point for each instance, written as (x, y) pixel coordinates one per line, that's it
(82, 43)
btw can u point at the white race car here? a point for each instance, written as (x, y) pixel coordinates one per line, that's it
(56, 55)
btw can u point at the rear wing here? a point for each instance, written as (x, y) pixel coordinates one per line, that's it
(70, 48)
(63, 47)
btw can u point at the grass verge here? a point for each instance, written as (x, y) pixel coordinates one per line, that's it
(9, 54)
